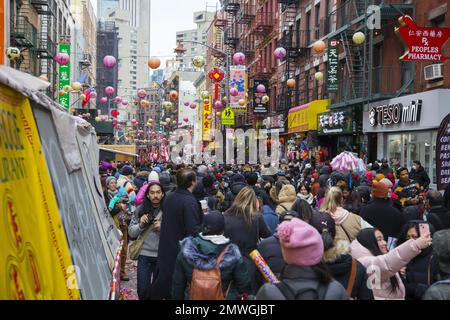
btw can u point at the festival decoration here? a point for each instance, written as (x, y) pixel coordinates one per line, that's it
(144, 103)
(193, 105)
(82, 97)
(141, 93)
(62, 58)
(280, 53)
(216, 76)
(206, 101)
(154, 63)
(12, 53)
(261, 88)
(124, 102)
(265, 99)
(239, 58)
(133, 122)
(291, 83)
(319, 46)
(187, 103)
(62, 92)
(109, 61)
(186, 119)
(204, 94)
(103, 100)
(358, 38)
(109, 91)
(67, 88)
(118, 99)
(318, 76)
(198, 61)
(234, 92)
(114, 113)
(218, 105)
(103, 118)
(173, 94)
(241, 102)
(76, 86)
(97, 119)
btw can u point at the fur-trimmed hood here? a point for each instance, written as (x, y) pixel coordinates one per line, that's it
(341, 247)
(202, 254)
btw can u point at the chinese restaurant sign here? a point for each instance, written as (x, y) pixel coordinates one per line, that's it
(258, 106)
(64, 76)
(424, 44)
(335, 122)
(332, 66)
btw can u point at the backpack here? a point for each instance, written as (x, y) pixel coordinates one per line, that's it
(207, 284)
(289, 294)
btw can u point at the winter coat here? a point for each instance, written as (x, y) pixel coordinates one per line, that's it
(286, 198)
(265, 198)
(201, 252)
(270, 250)
(353, 204)
(299, 278)
(421, 272)
(438, 291)
(140, 179)
(386, 266)
(439, 217)
(339, 263)
(421, 176)
(406, 190)
(348, 224)
(384, 217)
(183, 217)
(129, 186)
(235, 188)
(270, 218)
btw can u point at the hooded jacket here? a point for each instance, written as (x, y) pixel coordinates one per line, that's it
(380, 268)
(140, 179)
(201, 252)
(235, 188)
(421, 176)
(286, 198)
(348, 224)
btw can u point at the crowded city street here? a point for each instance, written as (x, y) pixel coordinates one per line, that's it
(229, 150)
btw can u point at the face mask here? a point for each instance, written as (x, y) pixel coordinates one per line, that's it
(414, 167)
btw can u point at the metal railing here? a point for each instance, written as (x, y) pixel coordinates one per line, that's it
(23, 33)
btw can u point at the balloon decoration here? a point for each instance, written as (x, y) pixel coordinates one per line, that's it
(88, 115)
(141, 93)
(168, 119)
(234, 92)
(318, 76)
(154, 63)
(62, 58)
(218, 105)
(118, 99)
(291, 83)
(239, 58)
(124, 102)
(133, 122)
(109, 62)
(319, 46)
(76, 86)
(12, 53)
(204, 94)
(208, 117)
(186, 119)
(103, 99)
(187, 103)
(218, 113)
(67, 88)
(109, 91)
(193, 105)
(359, 38)
(103, 118)
(241, 102)
(280, 53)
(265, 99)
(173, 94)
(261, 88)
(198, 61)
(97, 119)
(167, 104)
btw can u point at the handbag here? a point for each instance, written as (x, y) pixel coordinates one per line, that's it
(135, 247)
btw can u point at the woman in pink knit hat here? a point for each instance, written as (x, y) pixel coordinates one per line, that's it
(304, 277)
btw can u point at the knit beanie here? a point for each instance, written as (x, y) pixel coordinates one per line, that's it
(301, 244)
(153, 176)
(379, 177)
(108, 180)
(379, 190)
(387, 182)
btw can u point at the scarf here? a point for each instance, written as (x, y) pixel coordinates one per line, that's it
(308, 198)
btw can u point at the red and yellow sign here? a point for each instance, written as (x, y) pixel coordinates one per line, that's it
(424, 44)
(35, 262)
(206, 120)
(304, 117)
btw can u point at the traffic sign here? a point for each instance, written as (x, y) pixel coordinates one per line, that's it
(228, 117)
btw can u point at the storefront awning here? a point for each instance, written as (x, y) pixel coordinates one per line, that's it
(304, 118)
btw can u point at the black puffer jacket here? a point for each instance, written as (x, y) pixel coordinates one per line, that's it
(270, 250)
(439, 217)
(234, 190)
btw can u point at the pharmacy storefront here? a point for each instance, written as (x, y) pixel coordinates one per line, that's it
(405, 128)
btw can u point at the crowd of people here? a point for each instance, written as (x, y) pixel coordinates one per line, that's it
(383, 234)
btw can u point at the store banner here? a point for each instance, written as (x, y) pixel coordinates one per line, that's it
(443, 154)
(206, 120)
(258, 106)
(238, 80)
(332, 66)
(336, 122)
(64, 76)
(35, 262)
(304, 118)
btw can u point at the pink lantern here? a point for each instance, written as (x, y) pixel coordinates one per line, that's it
(93, 94)
(134, 122)
(180, 123)
(186, 119)
(218, 104)
(208, 117)
(114, 123)
(261, 88)
(193, 105)
(103, 118)
(206, 101)
(239, 58)
(109, 91)
(280, 53)
(118, 99)
(109, 61)
(141, 93)
(164, 123)
(187, 103)
(62, 58)
(234, 92)
(103, 99)
(124, 102)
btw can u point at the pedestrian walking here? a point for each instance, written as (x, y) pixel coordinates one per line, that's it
(419, 175)
(438, 214)
(286, 198)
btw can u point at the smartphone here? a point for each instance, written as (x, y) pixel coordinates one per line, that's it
(424, 229)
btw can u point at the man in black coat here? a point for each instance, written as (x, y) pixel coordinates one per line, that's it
(380, 214)
(438, 214)
(182, 217)
(252, 179)
(419, 175)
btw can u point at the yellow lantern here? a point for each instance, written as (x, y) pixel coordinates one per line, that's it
(241, 102)
(319, 46)
(154, 63)
(82, 97)
(76, 86)
(359, 38)
(265, 99)
(318, 76)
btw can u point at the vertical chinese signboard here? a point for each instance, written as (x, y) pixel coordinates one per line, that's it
(443, 154)
(64, 76)
(206, 120)
(332, 66)
(238, 80)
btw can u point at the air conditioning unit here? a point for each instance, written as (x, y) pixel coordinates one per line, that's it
(433, 71)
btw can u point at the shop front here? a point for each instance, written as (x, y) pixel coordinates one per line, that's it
(302, 129)
(405, 129)
(277, 123)
(337, 131)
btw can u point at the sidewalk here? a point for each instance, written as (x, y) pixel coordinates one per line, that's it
(129, 288)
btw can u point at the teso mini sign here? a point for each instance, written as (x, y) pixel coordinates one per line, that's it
(395, 113)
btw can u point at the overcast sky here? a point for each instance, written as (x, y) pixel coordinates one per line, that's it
(169, 16)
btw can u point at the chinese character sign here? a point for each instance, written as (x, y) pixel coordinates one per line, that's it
(206, 120)
(259, 106)
(332, 66)
(64, 76)
(335, 122)
(238, 80)
(424, 44)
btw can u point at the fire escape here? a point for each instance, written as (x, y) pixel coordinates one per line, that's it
(46, 50)
(291, 42)
(23, 36)
(220, 23)
(231, 39)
